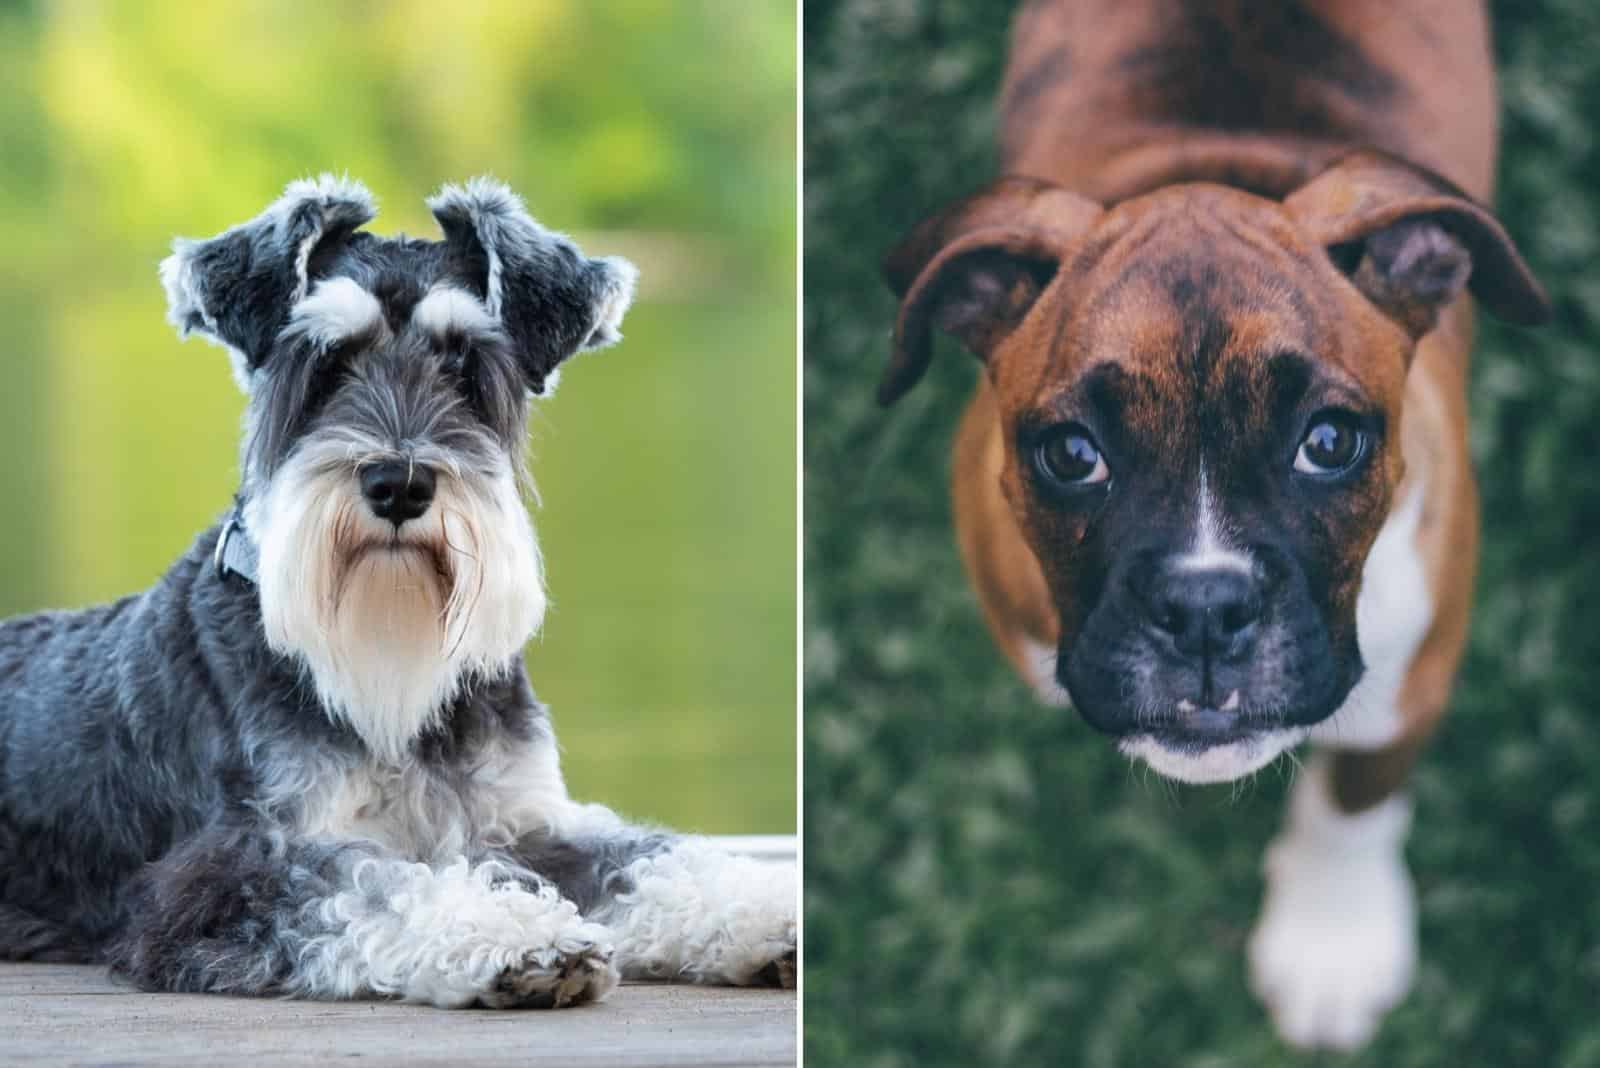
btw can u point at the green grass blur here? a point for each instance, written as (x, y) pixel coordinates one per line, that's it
(660, 130)
(987, 880)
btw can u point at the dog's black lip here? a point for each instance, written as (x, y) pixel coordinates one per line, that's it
(1188, 740)
(1203, 728)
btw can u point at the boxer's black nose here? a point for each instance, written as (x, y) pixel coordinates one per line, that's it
(1209, 611)
(397, 491)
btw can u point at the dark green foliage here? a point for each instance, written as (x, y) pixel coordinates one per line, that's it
(987, 881)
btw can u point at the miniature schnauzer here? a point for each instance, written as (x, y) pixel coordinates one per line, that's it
(308, 761)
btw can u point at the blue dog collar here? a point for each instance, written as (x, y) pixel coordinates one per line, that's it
(236, 555)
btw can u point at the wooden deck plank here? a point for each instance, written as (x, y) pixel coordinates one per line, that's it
(74, 1015)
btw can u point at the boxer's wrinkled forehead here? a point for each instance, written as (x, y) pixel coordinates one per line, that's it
(1170, 356)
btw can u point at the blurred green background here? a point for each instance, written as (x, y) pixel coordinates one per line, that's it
(987, 880)
(657, 129)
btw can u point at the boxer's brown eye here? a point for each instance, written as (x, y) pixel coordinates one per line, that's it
(1068, 456)
(1347, 257)
(1333, 445)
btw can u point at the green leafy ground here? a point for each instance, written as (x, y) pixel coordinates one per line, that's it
(666, 464)
(987, 881)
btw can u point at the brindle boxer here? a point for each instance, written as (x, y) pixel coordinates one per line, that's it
(1213, 487)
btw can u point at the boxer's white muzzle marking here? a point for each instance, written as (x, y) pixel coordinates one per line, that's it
(1211, 551)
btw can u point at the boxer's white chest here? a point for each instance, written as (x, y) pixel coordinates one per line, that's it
(1393, 613)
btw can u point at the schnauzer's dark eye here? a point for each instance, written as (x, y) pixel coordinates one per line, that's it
(1067, 456)
(463, 365)
(1334, 445)
(327, 375)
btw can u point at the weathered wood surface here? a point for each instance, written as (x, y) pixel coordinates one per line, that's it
(73, 1015)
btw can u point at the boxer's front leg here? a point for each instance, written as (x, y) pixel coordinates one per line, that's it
(677, 907)
(1336, 945)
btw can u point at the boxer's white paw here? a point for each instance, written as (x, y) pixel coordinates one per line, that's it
(1335, 947)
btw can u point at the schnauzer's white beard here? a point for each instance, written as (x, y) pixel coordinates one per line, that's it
(391, 634)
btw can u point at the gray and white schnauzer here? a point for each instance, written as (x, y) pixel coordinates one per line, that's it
(308, 761)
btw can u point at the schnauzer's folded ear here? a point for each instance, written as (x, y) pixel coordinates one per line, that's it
(551, 299)
(237, 288)
(1410, 241)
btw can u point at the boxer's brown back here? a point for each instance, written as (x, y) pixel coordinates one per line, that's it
(1116, 97)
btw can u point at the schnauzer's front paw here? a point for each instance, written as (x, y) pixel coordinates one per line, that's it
(1336, 946)
(761, 929)
(553, 977)
(780, 973)
(467, 937)
(700, 914)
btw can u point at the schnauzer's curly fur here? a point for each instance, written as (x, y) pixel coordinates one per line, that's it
(308, 760)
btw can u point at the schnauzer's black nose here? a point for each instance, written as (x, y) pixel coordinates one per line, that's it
(397, 491)
(1211, 611)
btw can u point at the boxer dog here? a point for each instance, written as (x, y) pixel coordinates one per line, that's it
(1213, 488)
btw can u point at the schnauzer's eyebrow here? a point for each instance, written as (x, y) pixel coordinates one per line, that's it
(450, 309)
(337, 309)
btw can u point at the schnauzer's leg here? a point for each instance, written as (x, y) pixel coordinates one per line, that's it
(677, 907)
(253, 912)
(25, 936)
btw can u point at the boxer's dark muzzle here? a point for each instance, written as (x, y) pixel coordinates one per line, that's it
(1203, 655)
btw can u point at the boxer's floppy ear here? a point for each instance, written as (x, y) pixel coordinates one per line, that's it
(552, 301)
(237, 288)
(1411, 240)
(976, 269)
